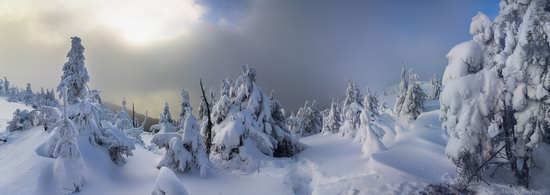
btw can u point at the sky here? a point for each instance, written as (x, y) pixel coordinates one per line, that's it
(148, 50)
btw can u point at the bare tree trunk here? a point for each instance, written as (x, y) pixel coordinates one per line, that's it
(208, 141)
(133, 116)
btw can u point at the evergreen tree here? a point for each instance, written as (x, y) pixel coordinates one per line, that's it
(435, 88)
(123, 119)
(2, 89)
(185, 152)
(331, 123)
(251, 124)
(6, 87)
(69, 166)
(19, 121)
(371, 103)
(310, 120)
(221, 108)
(414, 100)
(75, 75)
(165, 116)
(402, 93)
(28, 96)
(351, 109)
(493, 103)
(185, 106)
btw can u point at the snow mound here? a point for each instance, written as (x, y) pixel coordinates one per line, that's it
(167, 183)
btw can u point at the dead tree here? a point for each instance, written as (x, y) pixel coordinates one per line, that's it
(208, 129)
(133, 116)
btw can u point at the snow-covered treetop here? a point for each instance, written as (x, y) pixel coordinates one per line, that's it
(165, 116)
(185, 104)
(464, 58)
(480, 28)
(352, 94)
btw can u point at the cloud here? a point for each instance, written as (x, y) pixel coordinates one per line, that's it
(301, 49)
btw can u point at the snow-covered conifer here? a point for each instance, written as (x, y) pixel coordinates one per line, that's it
(185, 152)
(68, 168)
(166, 123)
(28, 95)
(331, 123)
(221, 108)
(6, 84)
(185, 106)
(19, 121)
(310, 118)
(372, 142)
(123, 119)
(414, 100)
(495, 90)
(402, 93)
(165, 116)
(435, 88)
(250, 125)
(75, 75)
(371, 103)
(351, 109)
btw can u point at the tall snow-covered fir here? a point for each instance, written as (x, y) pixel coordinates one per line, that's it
(75, 75)
(497, 82)
(331, 122)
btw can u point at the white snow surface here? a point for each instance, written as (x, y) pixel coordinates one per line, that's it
(330, 164)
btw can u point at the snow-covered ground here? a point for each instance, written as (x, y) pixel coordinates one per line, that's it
(331, 164)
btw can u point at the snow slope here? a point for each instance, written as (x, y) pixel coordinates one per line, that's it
(335, 165)
(330, 164)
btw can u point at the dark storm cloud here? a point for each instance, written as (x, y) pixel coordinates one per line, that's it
(302, 50)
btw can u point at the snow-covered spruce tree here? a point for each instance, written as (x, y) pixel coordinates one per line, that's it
(293, 123)
(185, 106)
(435, 88)
(250, 125)
(19, 121)
(402, 93)
(28, 95)
(2, 90)
(86, 110)
(505, 69)
(68, 168)
(117, 143)
(123, 119)
(185, 152)
(469, 102)
(166, 123)
(370, 124)
(310, 120)
(414, 100)
(221, 108)
(372, 142)
(525, 57)
(14, 95)
(6, 84)
(165, 116)
(331, 123)
(85, 115)
(371, 103)
(75, 75)
(351, 109)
